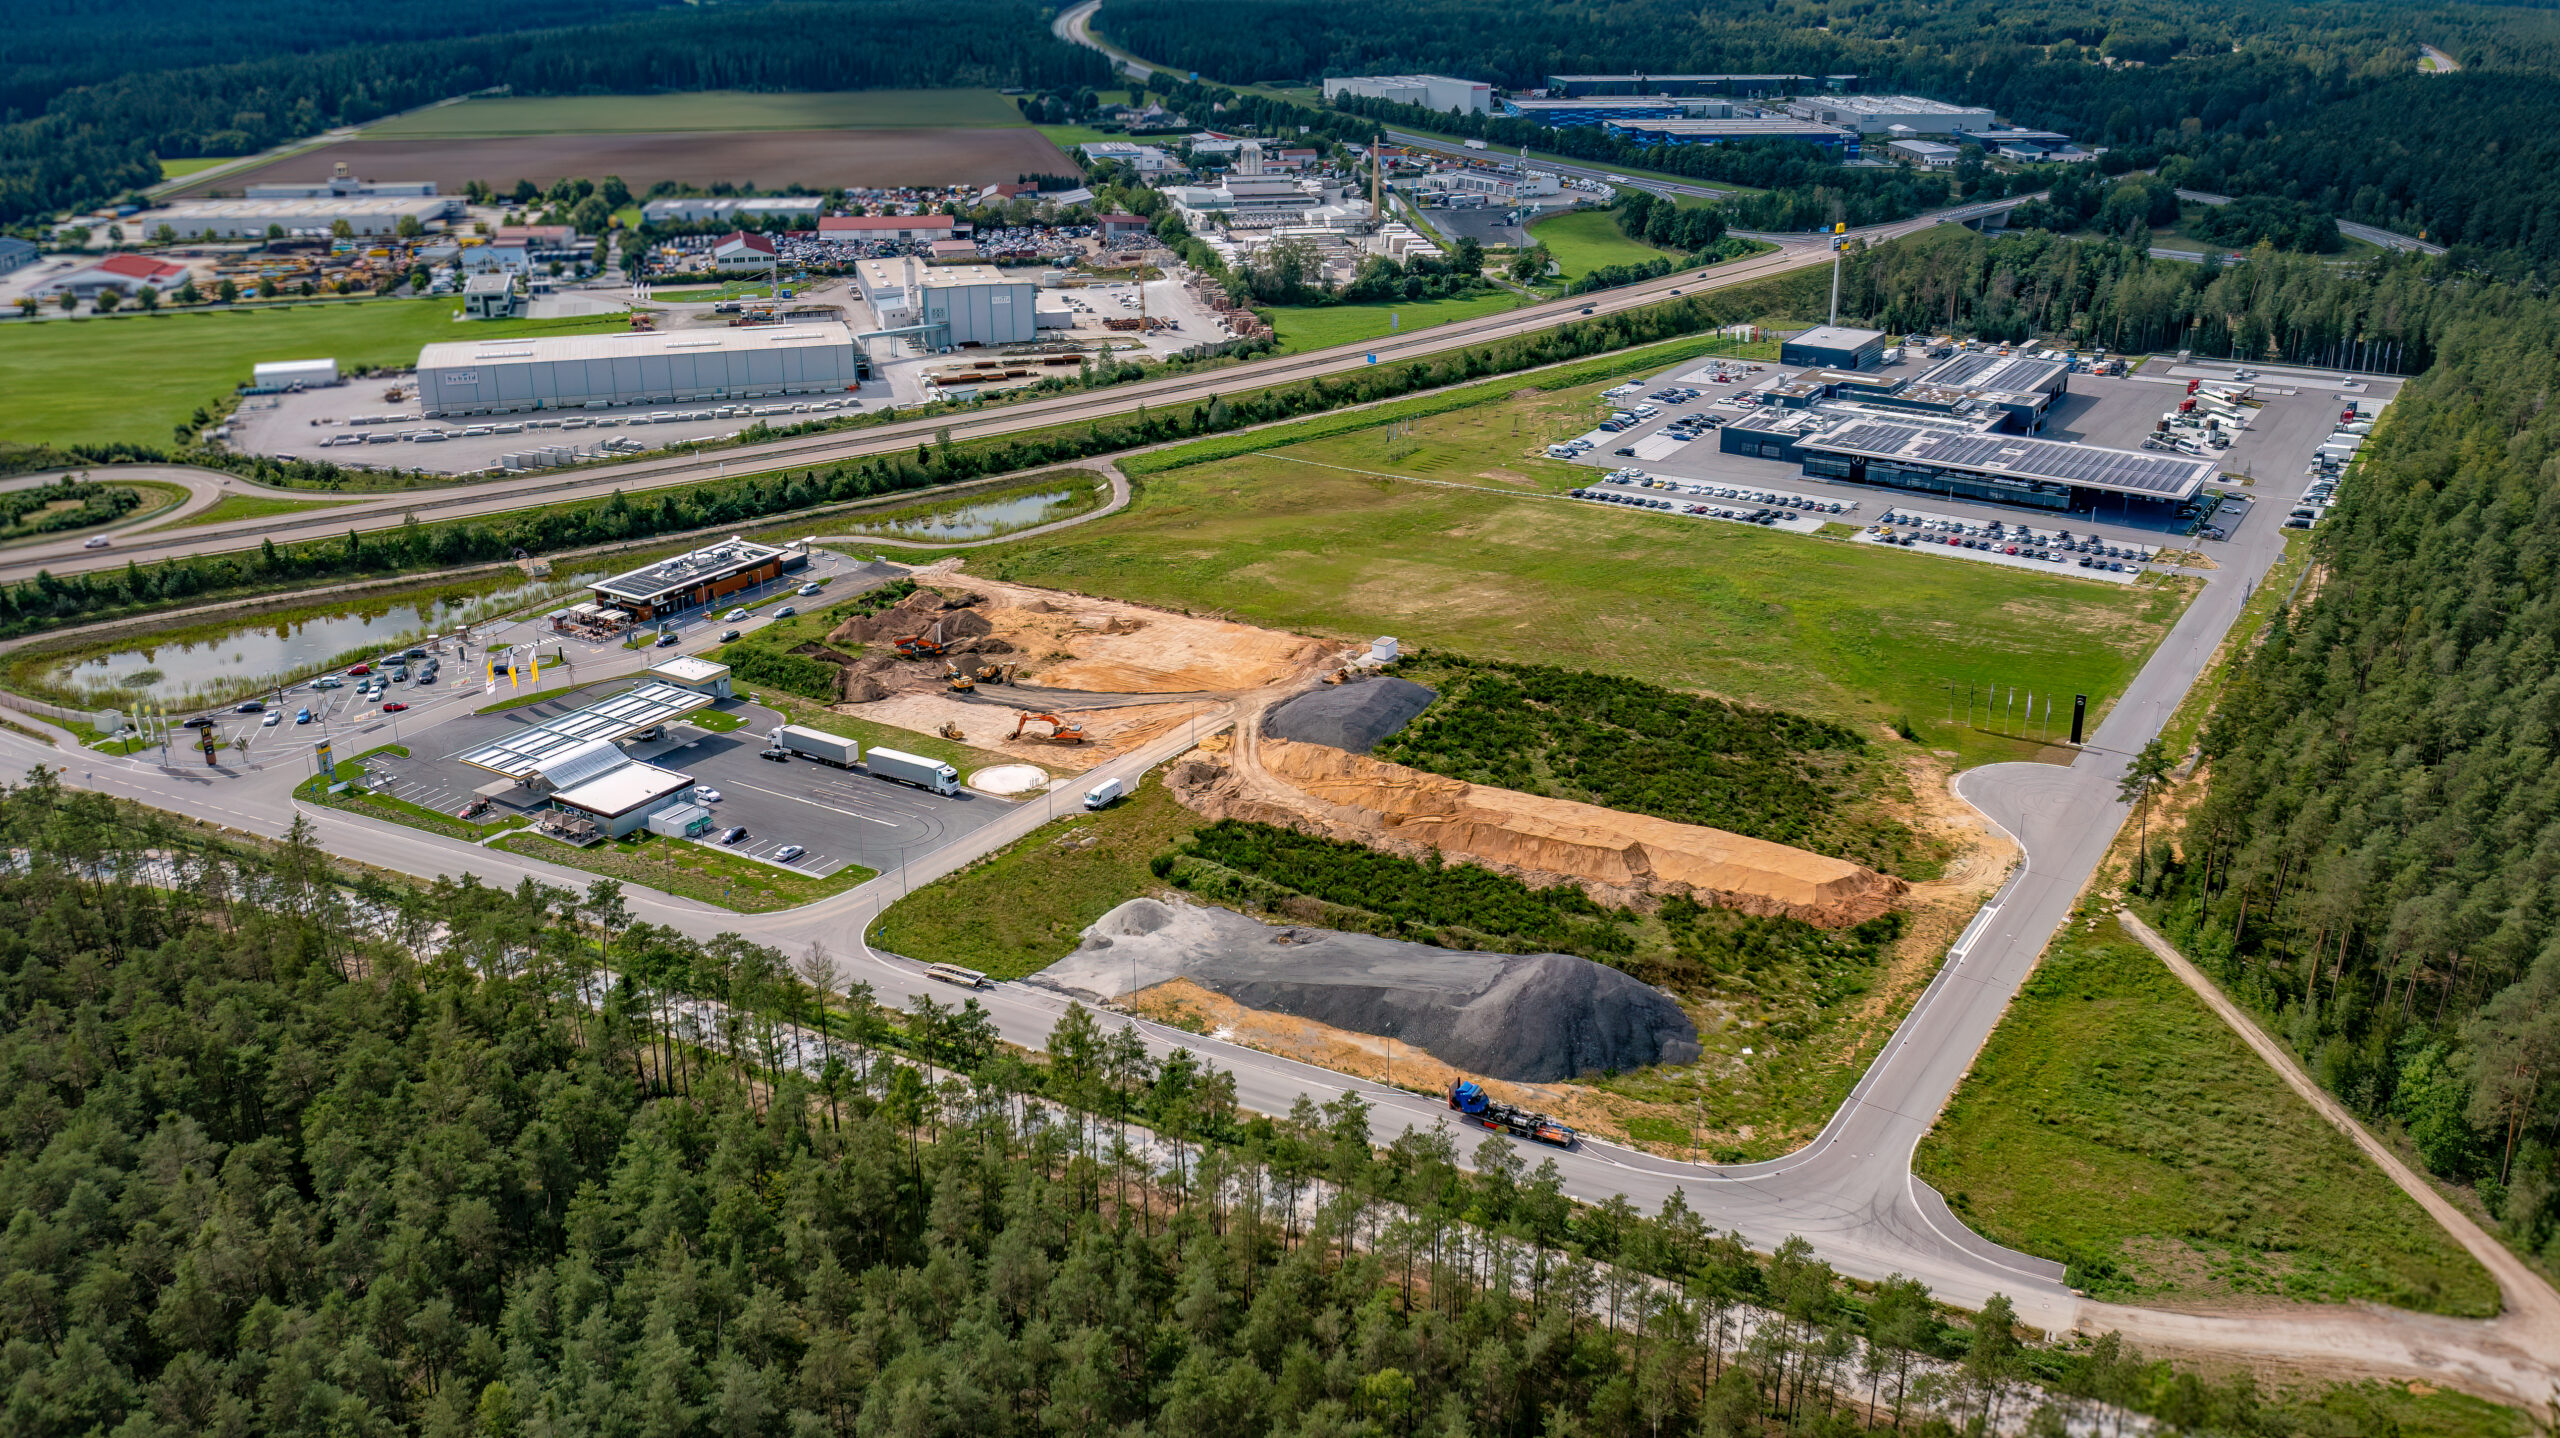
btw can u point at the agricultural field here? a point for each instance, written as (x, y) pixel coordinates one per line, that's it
(1315, 327)
(132, 377)
(180, 169)
(1586, 240)
(1444, 529)
(758, 160)
(2115, 1124)
(706, 110)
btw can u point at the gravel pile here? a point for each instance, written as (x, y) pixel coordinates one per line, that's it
(1353, 715)
(1528, 1018)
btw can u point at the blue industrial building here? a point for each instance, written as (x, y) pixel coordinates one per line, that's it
(1738, 87)
(1596, 110)
(1839, 143)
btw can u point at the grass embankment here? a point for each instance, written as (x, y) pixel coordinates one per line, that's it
(1315, 327)
(315, 790)
(180, 169)
(246, 506)
(156, 498)
(1482, 563)
(702, 110)
(134, 377)
(1023, 908)
(1587, 240)
(691, 870)
(2114, 1124)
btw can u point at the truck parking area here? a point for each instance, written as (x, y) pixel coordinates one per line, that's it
(837, 816)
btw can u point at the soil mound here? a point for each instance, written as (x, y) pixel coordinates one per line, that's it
(1352, 716)
(1528, 1018)
(1619, 857)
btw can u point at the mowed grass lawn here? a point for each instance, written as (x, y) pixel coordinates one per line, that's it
(1485, 561)
(246, 506)
(131, 377)
(1315, 327)
(701, 110)
(2115, 1124)
(180, 169)
(1586, 240)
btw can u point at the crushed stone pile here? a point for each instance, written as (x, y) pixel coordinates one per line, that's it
(1351, 716)
(1527, 1018)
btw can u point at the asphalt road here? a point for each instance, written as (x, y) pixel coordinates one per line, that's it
(2370, 234)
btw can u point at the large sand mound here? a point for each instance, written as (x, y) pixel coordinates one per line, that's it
(1618, 856)
(1530, 1018)
(1072, 641)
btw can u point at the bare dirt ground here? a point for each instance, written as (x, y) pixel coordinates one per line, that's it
(825, 159)
(1073, 642)
(1109, 733)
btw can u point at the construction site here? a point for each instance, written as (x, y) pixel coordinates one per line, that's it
(1287, 723)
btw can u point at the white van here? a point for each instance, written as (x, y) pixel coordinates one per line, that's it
(1101, 795)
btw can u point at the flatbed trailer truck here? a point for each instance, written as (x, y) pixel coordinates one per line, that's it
(1473, 1103)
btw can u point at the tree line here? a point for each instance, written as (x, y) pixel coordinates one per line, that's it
(2366, 864)
(95, 141)
(299, 1152)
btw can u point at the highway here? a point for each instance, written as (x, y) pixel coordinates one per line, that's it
(2370, 234)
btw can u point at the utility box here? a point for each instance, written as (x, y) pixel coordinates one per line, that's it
(681, 821)
(1382, 650)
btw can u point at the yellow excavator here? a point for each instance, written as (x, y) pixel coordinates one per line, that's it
(960, 683)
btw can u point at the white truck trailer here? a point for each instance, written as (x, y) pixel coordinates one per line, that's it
(816, 744)
(913, 769)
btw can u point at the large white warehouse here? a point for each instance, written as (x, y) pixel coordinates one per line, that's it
(504, 376)
(252, 219)
(1431, 92)
(946, 305)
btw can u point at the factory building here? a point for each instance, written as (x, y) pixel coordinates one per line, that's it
(1842, 144)
(1508, 187)
(341, 185)
(945, 306)
(508, 376)
(1834, 347)
(1431, 92)
(739, 250)
(795, 211)
(1740, 87)
(928, 228)
(1597, 110)
(1927, 154)
(2008, 392)
(1879, 114)
(1148, 160)
(2039, 147)
(364, 215)
(15, 254)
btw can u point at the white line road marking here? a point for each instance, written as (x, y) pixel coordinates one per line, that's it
(814, 804)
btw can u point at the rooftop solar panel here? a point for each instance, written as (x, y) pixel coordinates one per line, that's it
(2015, 456)
(527, 750)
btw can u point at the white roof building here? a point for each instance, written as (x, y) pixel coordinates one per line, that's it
(1876, 114)
(576, 371)
(252, 219)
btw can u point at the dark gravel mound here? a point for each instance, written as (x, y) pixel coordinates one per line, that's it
(1529, 1018)
(1354, 715)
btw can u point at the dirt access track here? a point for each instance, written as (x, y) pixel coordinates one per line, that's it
(762, 159)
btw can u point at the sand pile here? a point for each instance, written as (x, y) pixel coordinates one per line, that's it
(1104, 646)
(1619, 857)
(1353, 715)
(1530, 1018)
(1108, 732)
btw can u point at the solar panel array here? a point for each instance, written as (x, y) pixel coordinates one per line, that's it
(2005, 373)
(2086, 465)
(527, 750)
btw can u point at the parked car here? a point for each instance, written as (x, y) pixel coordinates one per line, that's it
(201, 721)
(254, 706)
(787, 853)
(705, 794)
(812, 587)
(394, 707)
(728, 634)
(733, 616)
(785, 612)
(668, 638)
(328, 681)
(300, 716)
(735, 833)
(276, 718)
(359, 671)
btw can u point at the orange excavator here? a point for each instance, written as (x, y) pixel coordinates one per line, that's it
(1061, 731)
(918, 646)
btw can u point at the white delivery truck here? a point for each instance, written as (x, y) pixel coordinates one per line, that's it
(815, 744)
(1101, 795)
(913, 769)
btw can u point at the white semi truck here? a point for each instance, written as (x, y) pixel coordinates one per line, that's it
(913, 769)
(815, 744)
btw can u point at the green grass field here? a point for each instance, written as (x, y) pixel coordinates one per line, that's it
(1022, 909)
(180, 169)
(1067, 137)
(1315, 327)
(245, 506)
(1482, 562)
(2115, 1124)
(132, 377)
(1586, 240)
(692, 870)
(702, 110)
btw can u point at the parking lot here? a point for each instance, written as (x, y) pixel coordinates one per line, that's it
(1675, 447)
(838, 816)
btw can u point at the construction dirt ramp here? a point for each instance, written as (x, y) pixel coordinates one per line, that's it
(1619, 857)
(1529, 1018)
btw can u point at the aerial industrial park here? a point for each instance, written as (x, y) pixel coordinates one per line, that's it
(1698, 717)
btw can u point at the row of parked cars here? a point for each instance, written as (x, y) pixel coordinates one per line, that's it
(1803, 503)
(1995, 537)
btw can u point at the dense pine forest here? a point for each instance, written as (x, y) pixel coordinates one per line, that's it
(2371, 862)
(291, 1152)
